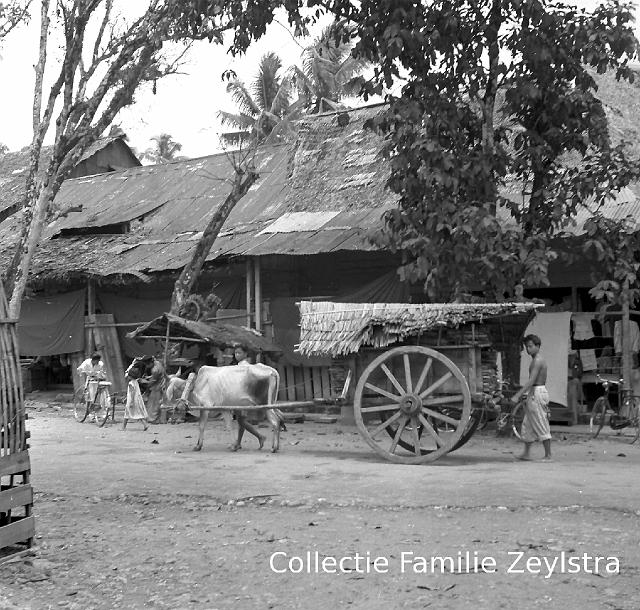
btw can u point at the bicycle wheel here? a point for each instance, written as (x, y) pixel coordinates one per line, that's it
(516, 418)
(598, 414)
(103, 411)
(632, 411)
(80, 406)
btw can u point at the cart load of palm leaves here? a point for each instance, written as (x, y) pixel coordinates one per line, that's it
(336, 329)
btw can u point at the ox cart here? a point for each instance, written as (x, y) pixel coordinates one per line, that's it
(419, 367)
(419, 393)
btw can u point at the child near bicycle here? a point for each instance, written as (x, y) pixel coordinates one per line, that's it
(535, 426)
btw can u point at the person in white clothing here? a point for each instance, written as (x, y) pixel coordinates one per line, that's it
(93, 372)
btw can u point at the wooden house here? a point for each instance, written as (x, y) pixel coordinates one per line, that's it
(302, 232)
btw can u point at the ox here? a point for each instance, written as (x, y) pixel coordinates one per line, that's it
(242, 385)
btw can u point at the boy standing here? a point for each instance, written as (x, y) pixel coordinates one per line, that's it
(535, 426)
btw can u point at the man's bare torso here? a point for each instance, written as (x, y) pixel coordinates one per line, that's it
(541, 377)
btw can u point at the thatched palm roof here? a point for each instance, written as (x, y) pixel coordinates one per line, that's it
(328, 328)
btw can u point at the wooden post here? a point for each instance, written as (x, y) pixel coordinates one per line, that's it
(91, 316)
(257, 299)
(166, 344)
(574, 298)
(249, 285)
(257, 294)
(626, 339)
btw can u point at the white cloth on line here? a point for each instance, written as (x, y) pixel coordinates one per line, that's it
(634, 334)
(588, 359)
(582, 329)
(554, 330)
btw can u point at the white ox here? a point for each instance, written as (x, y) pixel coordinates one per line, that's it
(242, 385)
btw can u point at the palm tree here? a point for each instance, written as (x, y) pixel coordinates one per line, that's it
(165, 149)
(264, 107)
(329, 71)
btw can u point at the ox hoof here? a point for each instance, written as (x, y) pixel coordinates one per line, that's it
(274, 449)
(235, 447)
(197, 448)
(261, 440)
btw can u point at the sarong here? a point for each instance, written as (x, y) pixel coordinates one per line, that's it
(535, 426)
(134, 408)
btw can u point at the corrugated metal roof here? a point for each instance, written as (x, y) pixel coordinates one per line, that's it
(324, 193)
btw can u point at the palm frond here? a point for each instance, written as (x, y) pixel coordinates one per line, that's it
(235, 138)
(282, 98)
(240, 120)
(266, 83)
(353, 86)
(242, 98)
(350, 68)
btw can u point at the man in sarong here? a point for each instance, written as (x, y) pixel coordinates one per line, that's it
(134, 408)
(535, 426)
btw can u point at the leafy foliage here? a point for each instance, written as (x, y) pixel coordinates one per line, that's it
(12, 14)
(264, 107)
(498, 139)
(329, 70)
(165, 149)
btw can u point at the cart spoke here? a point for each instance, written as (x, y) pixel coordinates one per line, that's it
(416, 436)
(423, 375)
(429, 428)
(441, 416)
(407, 373)
(392, 379)
(375, 388)
(434, 386)
(379, 408)
(397, 435)
(385, 423)
(443, 400)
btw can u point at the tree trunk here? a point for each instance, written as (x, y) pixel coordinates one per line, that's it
(489, 101)
(32, 231)
(242, 182)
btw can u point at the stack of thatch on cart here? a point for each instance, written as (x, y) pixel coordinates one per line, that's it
(16, 495)
(343, 328)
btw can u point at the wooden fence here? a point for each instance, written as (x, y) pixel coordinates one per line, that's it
(16, 495)
(311, 382)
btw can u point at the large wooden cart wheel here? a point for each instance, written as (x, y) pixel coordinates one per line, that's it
(412, 405)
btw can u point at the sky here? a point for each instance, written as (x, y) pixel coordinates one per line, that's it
(184, 106)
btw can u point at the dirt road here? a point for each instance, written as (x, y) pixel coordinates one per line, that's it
(137, 520)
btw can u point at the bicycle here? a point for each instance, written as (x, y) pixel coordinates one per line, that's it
(623, 416)
(82, 405)
(510, 417)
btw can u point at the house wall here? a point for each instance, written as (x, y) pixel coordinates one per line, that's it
(114, 156)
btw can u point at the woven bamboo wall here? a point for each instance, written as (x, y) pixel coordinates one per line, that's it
(16, 495)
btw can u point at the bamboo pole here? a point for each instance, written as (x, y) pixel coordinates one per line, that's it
(626, 340)
(166, 344)
(248, 291)
(278, 405)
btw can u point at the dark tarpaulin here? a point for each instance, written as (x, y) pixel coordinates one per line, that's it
(386, 289)
(129, 309)
(52, 325)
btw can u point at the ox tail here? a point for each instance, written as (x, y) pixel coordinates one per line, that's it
(274, 388)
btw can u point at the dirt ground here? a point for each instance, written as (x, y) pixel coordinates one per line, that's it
(137, 520)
